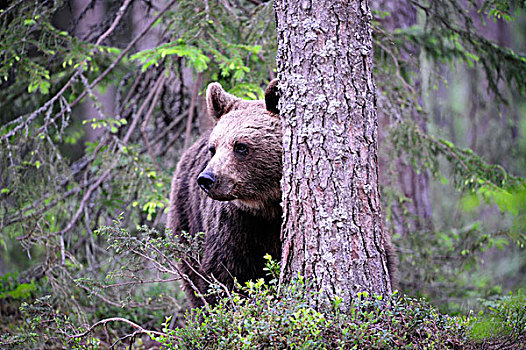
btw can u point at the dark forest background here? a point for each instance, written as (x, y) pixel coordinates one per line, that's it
(99, 98)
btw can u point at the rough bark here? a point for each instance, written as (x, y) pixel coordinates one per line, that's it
(332, 228)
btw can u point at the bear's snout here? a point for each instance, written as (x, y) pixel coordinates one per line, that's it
(206, 180)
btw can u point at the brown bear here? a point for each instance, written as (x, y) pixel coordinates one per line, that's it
(227, 185)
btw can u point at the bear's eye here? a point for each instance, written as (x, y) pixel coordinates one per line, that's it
(212, 150)
(240, 149)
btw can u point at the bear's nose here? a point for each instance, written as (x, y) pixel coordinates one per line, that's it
(206, 180)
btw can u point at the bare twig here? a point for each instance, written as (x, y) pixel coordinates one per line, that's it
(167, 130)
(10, 8)
(188, 132)
(172, 141)
(140, 111)
(158, 88)
(118, 17)
(122, 284)
(87, 196)
(136, 82)
(176, 270)
(140, 330)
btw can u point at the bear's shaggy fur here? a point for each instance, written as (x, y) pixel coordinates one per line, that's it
(240, 214)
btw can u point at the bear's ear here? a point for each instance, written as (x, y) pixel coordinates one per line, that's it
(218, 101)
(272, 95)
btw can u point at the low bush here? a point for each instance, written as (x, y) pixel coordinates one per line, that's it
(267, 316)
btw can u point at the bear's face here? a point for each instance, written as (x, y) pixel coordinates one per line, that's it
(245, 149)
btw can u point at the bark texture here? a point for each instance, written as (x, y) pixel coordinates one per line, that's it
(332, 228)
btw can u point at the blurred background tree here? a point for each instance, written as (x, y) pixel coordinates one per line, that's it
(99, 98)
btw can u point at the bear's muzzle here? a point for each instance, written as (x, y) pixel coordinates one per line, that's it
(206, 180)
(216, 187)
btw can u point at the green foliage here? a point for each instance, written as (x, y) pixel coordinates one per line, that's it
(38, 33)
(10, 288)
(457, 41)
(227, 42)
(512, 201)
(476, 207)
(497, 9)
(502, 316)
(126, 286)
(469, 172)
(269, 316)
(64, 172)
(112, 124)
(43, 328)
(258, 314)
(197, 59)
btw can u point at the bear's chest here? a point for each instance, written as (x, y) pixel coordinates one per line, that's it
(239, 242)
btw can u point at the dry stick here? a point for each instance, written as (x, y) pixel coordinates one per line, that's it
(87, 195)
(115, 319)
(176, 271)
(123, 338)
(92, 95)
(172, 141)
(158, 89)
(122, 284)
(167, 130)
(191, 112)
(106, 300)
(136, 82)
(10, 8)
(118, 17)
(140, 111)
(397, 66)
(107, 334)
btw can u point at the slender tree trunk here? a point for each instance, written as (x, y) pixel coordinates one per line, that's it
(93, 16)
(414, 215)
(332, 229)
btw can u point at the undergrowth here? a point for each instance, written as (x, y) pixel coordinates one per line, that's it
(261, 314)
(267, 316)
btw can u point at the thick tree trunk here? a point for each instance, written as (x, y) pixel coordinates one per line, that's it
(332, 229)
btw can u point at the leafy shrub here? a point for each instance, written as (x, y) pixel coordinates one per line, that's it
(11, 288)
(268, 316)
(504, 316)
(257, 315)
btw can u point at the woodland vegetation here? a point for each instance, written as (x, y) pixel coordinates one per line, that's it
(99, 98)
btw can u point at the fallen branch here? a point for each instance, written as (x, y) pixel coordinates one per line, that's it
(139, 329)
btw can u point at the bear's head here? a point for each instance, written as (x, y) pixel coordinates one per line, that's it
(245, 149)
